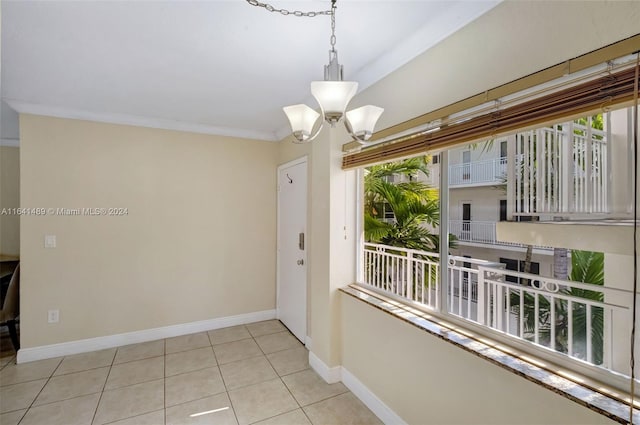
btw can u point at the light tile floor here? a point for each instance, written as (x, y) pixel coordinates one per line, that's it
(250, 374)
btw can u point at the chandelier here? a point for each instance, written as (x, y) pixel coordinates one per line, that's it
(333, 95)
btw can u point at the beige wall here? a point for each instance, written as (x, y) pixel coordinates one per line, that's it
(9, 198)
(198, 241)
(429, 381)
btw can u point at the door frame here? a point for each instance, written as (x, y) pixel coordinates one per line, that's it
(301, 160)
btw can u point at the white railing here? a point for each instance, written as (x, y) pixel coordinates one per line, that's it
(478, 232)
(408, 273)
(463, 280)
(561, 170)
(478, 172)
(414, 274)
(565, 316)
(571, 318)
(473, 231)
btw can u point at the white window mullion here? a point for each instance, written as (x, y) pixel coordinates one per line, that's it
(444, 229)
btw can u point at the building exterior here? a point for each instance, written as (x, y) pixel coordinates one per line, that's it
(478, 201)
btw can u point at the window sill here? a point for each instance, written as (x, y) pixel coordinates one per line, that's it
(613, 408)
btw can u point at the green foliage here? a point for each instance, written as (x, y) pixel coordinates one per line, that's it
(597, 121)
(413, 203)
(586, 267)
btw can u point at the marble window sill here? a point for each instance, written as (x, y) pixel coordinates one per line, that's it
(604, 404)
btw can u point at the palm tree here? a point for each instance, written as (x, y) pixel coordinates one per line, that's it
(415, 211)
(414, 205)
(586, 267)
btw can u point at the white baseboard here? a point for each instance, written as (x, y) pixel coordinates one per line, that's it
(110, 341)
(308, 343)
(330, 374)
(377, 406)
(338, 373)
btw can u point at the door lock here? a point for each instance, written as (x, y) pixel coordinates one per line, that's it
(300, 262)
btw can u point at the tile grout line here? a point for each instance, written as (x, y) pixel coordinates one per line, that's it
(104, 385)
(53, 375)
(278, 377)
(281, 380)
(13, 358)
(301, 407)
(292, 396)
(41, 389)
(235, 415)
(275, 416)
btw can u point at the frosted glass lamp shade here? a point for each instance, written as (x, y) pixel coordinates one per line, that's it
(302, 118)
(363, 120)
(333, 97)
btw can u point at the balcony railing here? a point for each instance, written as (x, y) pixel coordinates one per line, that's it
(492, 171)
(408, 273)
(414, 274)
(570, 318)
(565, 316)
(478, 232)
(561, 170)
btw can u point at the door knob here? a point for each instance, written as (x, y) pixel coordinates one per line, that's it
(300, 262)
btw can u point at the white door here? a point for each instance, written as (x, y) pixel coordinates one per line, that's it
(292, 247)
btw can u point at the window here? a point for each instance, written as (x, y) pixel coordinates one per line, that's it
(553, 167)
(487, 288)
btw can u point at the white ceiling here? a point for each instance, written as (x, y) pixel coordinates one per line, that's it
(218, 67)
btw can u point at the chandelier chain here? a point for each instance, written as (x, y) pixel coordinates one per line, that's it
(332, 40)
(297, 13)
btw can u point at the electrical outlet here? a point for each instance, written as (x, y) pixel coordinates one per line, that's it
(53, 316)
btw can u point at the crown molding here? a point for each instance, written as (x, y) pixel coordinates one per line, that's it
(138, 121)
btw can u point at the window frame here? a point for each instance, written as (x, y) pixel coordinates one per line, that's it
(581, 371)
